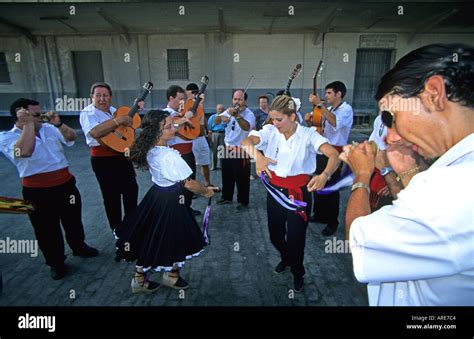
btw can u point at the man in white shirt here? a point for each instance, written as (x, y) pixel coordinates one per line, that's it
(176, 97)
(419, 251)
(240, 121)
(115, 174)
(37, 152)
(337, 123)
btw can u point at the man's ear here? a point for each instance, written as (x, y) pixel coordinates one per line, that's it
(434, 94)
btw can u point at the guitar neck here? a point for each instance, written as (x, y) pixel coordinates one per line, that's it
(198, 99)
(195, 105)
(134, 108)
(287, 89)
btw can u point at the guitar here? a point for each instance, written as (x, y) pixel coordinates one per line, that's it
(122, 137)
(296, 71)
(317, 114)
(192, 129)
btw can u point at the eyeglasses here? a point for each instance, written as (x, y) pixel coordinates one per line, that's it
(233, 125)
(388, 118)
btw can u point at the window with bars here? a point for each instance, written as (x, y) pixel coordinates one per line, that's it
(178, 68)
(371, 65)
(4, 74)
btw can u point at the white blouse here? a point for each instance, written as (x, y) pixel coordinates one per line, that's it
(294, 156)
(166, 166)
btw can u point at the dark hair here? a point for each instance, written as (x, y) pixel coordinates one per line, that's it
(337, 86)
(262, 97)
(192, 87)
(146, 140)
(21, 103)
(245, 93)
(283, 104)
(101, 84)
(454, 62)
(173, 91)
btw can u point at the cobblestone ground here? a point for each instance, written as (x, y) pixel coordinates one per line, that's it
(235, 270)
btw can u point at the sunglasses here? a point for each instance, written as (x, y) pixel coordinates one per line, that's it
(388, 118)
(233, 125)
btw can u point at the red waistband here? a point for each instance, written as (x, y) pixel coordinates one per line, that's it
(103, 151)
(47, 179)
(184, 148)
(289, 182)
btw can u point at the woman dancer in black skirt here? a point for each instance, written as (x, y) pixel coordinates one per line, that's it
(162, 232)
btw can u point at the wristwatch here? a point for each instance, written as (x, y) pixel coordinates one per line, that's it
(386, 170)
(360, 185)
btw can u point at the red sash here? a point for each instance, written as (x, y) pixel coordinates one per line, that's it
(47, 179)
(376, 185)
(184, 148)
(103, 151)
(293, 184)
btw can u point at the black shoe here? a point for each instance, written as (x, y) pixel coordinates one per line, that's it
(280, 268)
(181, 284)
(329, 230)
(298, 284)
(195, 212)
(223, 202)
(58, 272)
(86, 252)
(241, 206)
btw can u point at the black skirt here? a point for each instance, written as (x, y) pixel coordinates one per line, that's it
(161, 232)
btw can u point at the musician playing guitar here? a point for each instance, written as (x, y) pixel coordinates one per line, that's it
(176, 97)
(115, 174)
(201, 150)
(337, 123)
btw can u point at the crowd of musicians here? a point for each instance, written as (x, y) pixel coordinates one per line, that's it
(408, 218)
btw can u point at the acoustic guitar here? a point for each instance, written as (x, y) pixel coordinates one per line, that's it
(296, 71)
(192, 129)
(122, 137)
(317, 114)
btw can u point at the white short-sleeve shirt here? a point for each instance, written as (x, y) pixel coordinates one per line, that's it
(48, 155)
(167, 167)
(176, 139)
(294, 156)
(339, 134)
(420, 250)
(90, 117)
(233, 133)
(379, 133)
